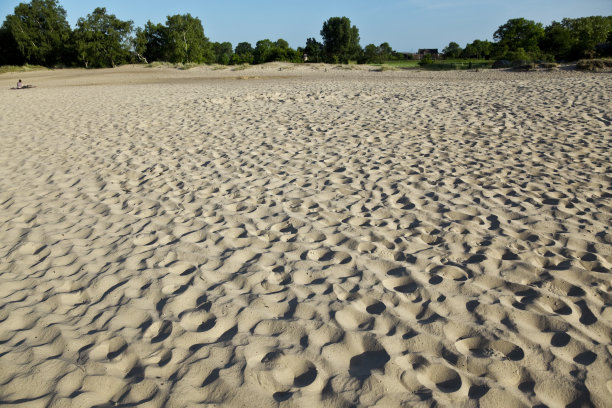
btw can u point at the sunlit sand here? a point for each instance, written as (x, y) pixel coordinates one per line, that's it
(305, 235)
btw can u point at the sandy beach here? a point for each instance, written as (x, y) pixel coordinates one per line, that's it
(304, 236)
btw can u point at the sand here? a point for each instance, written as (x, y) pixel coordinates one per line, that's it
(303, 236)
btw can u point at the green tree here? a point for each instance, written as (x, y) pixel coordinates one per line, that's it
(263, 51)
(223, 52)
(9, 52)
(282, 52)
(102, 39)
(243, 54)
(313, 50)
(477, 49)
(370, 54)
(587, 32)
(452, 50)
(377, 54)
(39, 31)
(385, 51)
(519, 33)
(575, 38)
(185, 40)
(151, 42)
(340, 40)
(557, 41)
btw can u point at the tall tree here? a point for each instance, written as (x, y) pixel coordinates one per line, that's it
(370, 54)
(377, 54)
(186, 41)
(452, 50)
(519, 34)
(263, 51)
(40, 32)
(575, 38)
(340, 40)
(557, 41)
(150, 42)
(313, 50)
(477, 49)
(587, 32)
(9, 52)
(243, 54)
(223, 52)
(102, 40)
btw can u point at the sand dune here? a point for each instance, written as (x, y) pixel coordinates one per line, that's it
(305, 236)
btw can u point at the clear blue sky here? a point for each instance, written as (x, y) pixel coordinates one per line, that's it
(405, 24)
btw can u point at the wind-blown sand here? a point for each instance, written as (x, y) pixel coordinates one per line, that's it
(305, 236)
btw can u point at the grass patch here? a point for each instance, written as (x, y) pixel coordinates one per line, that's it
(405, 64)
(349, 67)
(181, 66)
(439, 65)
(159, 64)
(23, 68)
(450, 65)
(594, 64)
(240, 67)
(384, 67)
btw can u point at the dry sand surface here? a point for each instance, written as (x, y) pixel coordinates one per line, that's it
(305, 236)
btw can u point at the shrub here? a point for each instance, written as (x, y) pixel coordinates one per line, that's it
(426, 60)
(594, 64)
(550, 66)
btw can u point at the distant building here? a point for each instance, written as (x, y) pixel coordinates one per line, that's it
(428, 51)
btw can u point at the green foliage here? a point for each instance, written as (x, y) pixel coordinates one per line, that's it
(9, 52)
(21, 68)
(263, 51)
(185, 40)
(38, 32)
(557, 41)
(102, 40)
(314, 50)
(150, 42)
(452, 50)
(594, 64)
(477, 50)
(426, 60)
(243, 54)
(519, 33)
(457, 64)
(340, 40)
(223, 52)
(373, 54)
(268, 51)
(282, 52)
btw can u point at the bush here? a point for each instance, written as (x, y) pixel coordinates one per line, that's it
(594, 64)
(426, 60)
(523, 66)
(604, 49)
(550, 66)
(501, 64)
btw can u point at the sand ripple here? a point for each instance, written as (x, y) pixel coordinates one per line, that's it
(306, 238)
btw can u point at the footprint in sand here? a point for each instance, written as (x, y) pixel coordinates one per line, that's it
(440, 377)
(283, 374)
(145, 239)
(450, 272)
(482, 348)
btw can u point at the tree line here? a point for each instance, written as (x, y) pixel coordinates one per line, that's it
(521, 39)
(39, 34)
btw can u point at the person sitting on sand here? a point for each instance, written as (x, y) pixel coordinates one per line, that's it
(20, 85)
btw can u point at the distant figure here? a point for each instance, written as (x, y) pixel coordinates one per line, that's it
(20, 85)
